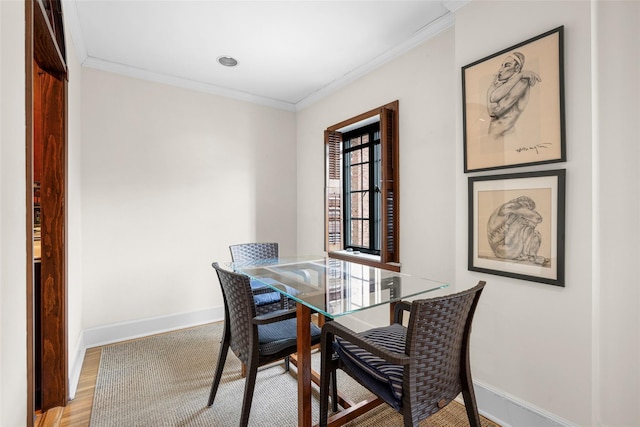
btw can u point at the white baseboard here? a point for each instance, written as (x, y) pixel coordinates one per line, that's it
(77, 358)
(510, 412)
(123, 331)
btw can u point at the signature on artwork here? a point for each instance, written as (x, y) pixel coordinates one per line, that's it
(535, 148)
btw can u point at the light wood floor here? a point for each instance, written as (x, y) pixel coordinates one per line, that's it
(77, 413)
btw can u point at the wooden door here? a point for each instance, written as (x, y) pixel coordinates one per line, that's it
(46, 112)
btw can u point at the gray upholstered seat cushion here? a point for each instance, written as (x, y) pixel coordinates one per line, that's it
(274, 337)
(392, 338)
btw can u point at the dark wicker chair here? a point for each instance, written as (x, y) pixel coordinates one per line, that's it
(416, 369)
(267, 300)
(255, 340)
(247, 252)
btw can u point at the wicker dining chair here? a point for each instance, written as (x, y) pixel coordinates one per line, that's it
(267, 300)
(255, 339)
(416, 369)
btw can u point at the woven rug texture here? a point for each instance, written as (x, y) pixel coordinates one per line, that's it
(164, 380)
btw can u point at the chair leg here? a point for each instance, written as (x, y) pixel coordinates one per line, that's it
(327, 375)
(249, 387)
(287, 363)
(334, 390)
(222, 357)
(468, 393)
(410, 420)
(324, 397)
(472, 408)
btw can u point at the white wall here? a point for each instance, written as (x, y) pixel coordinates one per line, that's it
(423, 82)
(533, 341)
(541, 355)
(616, 212)
(170, 178)
(13, 354)
(75, 342)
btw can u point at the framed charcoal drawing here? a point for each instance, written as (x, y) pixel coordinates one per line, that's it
(516, 225)
(513, 105)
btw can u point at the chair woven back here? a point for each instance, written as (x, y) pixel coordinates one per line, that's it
(438, 345)
(239, 310)
(247, 252)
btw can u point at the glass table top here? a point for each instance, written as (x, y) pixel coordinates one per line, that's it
(335, 287)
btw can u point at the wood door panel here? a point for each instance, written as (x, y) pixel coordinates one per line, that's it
(46, 114)
(53, 283)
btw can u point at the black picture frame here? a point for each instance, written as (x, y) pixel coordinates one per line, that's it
(515, 116)
(516, 225)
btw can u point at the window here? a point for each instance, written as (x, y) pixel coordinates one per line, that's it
(361, 187)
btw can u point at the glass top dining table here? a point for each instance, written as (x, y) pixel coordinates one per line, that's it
(335, 287)
(332, 288)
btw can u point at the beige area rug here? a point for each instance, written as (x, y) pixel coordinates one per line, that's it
(164, 380)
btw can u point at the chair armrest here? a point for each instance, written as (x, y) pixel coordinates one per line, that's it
(331, 329)
(274, 316)
(400, 308)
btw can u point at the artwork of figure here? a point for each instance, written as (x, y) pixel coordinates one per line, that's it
(512, 231)
(508, 94)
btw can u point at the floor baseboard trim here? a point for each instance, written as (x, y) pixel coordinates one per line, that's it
(77, 359)
(508, 411)
(116, 332)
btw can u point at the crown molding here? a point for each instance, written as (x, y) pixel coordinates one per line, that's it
(454, 5)
(420, 36)
(138, 73)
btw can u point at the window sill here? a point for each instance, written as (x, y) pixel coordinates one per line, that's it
(365, 259)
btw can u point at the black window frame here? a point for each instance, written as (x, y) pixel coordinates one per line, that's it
(373, 188)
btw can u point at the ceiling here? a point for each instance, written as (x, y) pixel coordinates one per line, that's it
(290, 53)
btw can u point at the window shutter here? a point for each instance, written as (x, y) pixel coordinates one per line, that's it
(390, 174)
(333, 191)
